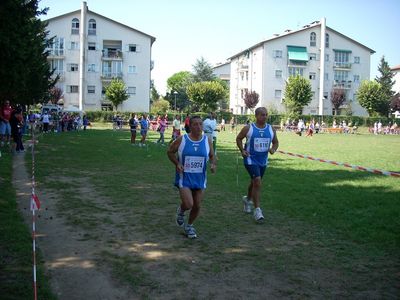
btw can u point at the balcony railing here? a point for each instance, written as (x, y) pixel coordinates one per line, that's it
(56, 52)
(112, 54)
(109, 75)
(342, 84)
(342, 65)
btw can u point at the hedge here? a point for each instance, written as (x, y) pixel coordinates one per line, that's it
(107, 116)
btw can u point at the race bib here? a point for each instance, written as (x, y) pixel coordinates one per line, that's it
(261, 144)
(193, 164)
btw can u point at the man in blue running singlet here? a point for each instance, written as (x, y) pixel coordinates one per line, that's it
(259, 138)
(190, 153)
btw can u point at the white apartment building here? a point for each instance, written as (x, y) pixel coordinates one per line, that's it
(89, 50)
(396, 78)
(319, 53)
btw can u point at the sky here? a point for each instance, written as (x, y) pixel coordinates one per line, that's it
(186, 30)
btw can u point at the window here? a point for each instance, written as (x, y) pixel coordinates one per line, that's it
(133, 48)
(112, 69)
(355, 97)
(326, 57)
(131, 69)
(91, 89)
(57, 47)
(293, 71)
(57, 65)
(326, 76)
(91, 46)
(326, 40)
(278, 73)
(72, 67)
(313, 56)
(75, 26)
(247, 75)
(278, 94)
(277, 53)
(74, 46)
(356, 59)
(313, 39)
(131, 90)
(341, 75)
(325, 95)
(91, 68)
(342, 58)
(92, 27)
(356, 78)
(72, 89)
(312, 76)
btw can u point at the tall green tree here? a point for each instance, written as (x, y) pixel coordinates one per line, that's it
(24, 73)
(116, 92)
(370, 96)
(386, 81)
(202, 71)
(297, 95)
(154, 95)
(177, 85)
(206, 94)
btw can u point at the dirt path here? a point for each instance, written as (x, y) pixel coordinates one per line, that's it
(69, 259)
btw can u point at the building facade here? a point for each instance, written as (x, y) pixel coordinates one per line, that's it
(396, 78)
(89, 50)
(329, 59)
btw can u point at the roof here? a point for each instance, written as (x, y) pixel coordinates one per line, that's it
(395, 68)
(289, 32)
(101, 16)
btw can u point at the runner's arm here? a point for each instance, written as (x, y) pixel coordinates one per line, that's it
(171, 152)
(239, 140)
(275, 142)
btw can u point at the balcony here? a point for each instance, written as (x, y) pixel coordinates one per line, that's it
(108, 76)
(56, 53)
(111, 54)
(60, 74)
(342, 65)
(342, 84)
(243, 67)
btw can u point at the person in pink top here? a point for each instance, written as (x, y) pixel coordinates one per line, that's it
(162, 125)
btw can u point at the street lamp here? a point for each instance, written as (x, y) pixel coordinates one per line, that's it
(175, 93)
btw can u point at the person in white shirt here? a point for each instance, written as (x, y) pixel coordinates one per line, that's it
(210, 129)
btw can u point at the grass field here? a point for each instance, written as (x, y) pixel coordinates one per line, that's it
(329, 231)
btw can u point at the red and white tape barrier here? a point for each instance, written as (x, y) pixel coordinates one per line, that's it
(359, 168)
(35, 205)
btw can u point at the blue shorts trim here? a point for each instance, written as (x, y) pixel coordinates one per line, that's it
(255, 170)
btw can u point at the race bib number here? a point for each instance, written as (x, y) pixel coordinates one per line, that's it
(194, 164)
(261, 144)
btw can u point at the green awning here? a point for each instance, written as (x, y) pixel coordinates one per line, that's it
(297, 53)
(341, 50)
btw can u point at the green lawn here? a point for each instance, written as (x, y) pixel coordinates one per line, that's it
(329, 231)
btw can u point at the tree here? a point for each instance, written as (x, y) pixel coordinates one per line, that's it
(154, 95)
(386, 81)
(206, 94)
(24, 73)
(370, 96)
(251, 99)
(160, 106)
(116, 92)
(178, 82)
(395, 103)
(297, 95)
(338, 97)
(203, 71)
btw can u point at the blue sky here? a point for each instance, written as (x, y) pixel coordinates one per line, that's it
(186, 30)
